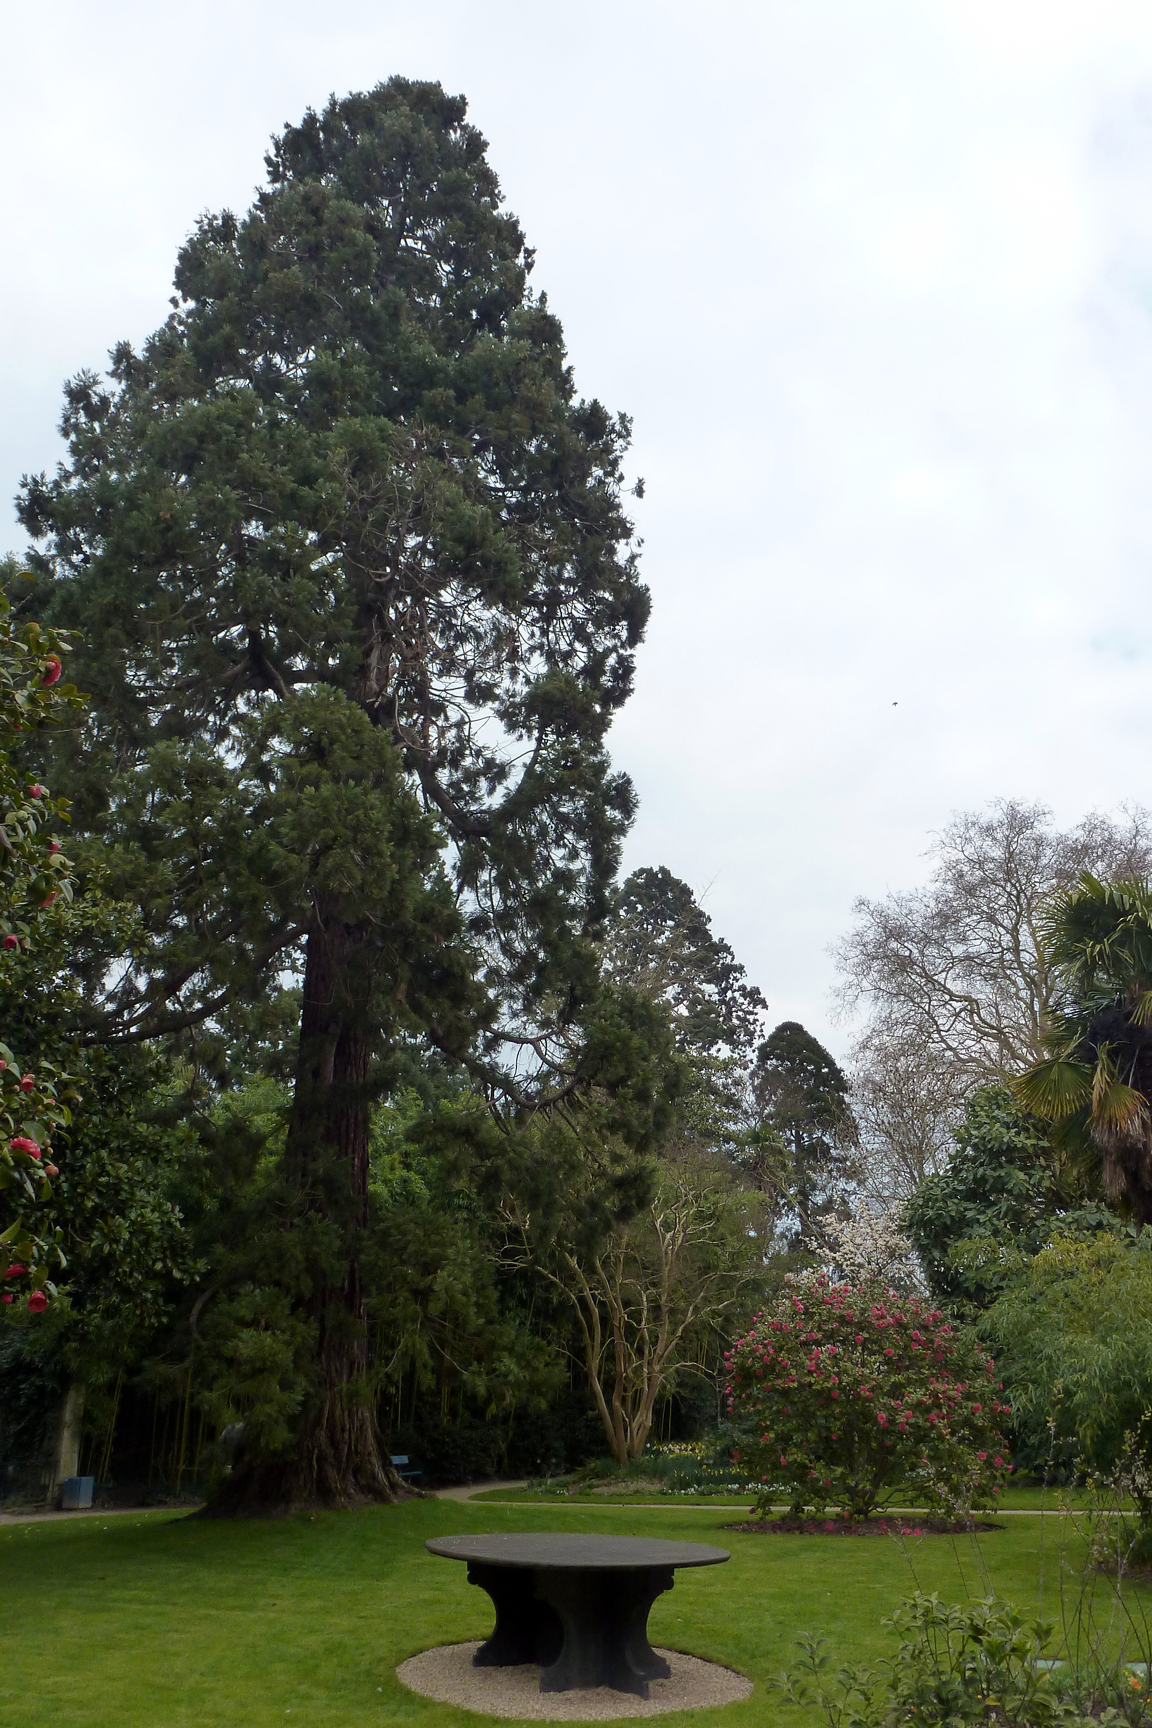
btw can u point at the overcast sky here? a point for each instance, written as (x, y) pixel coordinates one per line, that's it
(875, 283)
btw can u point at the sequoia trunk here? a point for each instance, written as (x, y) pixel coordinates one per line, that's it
(337, 1460)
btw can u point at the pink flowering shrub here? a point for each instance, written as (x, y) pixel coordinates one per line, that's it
(35, 875)
(848, 1394)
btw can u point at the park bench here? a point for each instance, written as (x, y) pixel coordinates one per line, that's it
(400, 1464)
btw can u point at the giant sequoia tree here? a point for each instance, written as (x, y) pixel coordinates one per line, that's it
(349, 556)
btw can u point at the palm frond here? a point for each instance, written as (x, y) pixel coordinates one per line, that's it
(1055, 1088)
(1119, 1109)
(1101, 932)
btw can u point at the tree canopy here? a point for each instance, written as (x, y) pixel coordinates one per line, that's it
(802, 1095)
(351, 561)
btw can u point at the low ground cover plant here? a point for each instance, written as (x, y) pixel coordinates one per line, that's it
(677, 1467)
(697, 1467)
(978, 1663)
(847, 1394)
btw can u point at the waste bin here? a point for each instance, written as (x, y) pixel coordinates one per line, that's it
(77, 1493)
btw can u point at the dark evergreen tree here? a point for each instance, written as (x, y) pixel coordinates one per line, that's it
(803, 1095)
(350, 560)
(661, 942)
(1004, 1194)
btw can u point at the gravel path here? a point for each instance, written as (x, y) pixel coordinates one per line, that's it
(446, 1674)
(471, 1488)
(734, 1509)
(42, 1517)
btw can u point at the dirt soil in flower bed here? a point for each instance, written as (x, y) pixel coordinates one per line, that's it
(863, 1526)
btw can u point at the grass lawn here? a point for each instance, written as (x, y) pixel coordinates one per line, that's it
(158, 1621)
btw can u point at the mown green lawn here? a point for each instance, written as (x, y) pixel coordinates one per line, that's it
(160, 1621)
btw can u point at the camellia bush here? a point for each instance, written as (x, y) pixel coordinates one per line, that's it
(34, 876)
(849, 1394)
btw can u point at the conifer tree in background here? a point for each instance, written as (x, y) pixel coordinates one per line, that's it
(803, 1096)
(659, 942)
(349, 557)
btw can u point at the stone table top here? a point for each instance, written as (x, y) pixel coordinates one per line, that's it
(560, 1552)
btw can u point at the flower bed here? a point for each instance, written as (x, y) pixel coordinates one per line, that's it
(863, 1526)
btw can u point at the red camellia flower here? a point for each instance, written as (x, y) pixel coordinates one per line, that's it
(48, 901)
(27, 1082)
(11, 941)
(37, 1302)
(22, 1144)
(54, 848)
(14, 1271)
(35, 790)
(7, 1297)
(52, 669)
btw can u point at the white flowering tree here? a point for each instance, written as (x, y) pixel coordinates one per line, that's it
(870, 1248)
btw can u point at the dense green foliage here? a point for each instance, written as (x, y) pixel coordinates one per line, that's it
(981, 1228)
(1003, 1195)
(1073, 1334)
(846, 1395)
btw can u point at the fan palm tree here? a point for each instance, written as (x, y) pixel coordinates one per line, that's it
(1095, 1081)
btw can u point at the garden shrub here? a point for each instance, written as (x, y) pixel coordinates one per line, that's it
(845, 1394)
(1073, 1333)
(979, 1663)
(34, 877)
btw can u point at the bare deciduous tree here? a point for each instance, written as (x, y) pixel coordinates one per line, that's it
(958, 967)
(905, 1099)
(648, 1299)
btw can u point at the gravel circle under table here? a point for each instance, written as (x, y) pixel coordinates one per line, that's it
(446, 1674)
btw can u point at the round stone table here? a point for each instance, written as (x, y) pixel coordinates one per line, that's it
(578, 1605)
